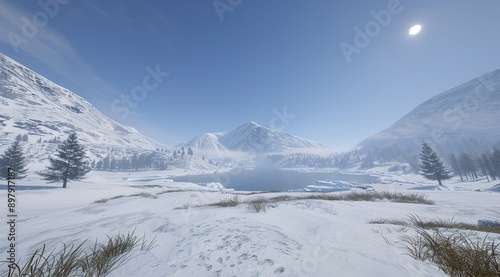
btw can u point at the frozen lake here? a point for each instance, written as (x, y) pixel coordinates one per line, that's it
(271, 179)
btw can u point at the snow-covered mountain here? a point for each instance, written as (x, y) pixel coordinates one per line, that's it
(253, 138)
(206, 141)
(454, 120)
(42, 110)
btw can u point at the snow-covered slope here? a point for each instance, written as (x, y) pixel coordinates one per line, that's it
(468, 113)
(206, 141)
(34, 106)
(253, 138)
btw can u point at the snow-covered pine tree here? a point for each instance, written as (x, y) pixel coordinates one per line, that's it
(431, 165)
(70, 163)
(13, 158)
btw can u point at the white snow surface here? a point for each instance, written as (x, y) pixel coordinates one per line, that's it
(295, 238)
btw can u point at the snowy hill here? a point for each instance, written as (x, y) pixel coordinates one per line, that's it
(34, 106)
(206, 141)
(253, 138)
(466, 115)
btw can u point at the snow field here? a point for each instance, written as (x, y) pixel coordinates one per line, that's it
(296, 238)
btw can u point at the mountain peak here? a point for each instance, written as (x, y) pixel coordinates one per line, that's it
(251, 124)
(252, 137)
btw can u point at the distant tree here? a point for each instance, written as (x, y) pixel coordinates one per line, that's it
(182, 152)
(468, 166)
(431, 166)
(495, 162)
(124, 164)
(105, 163)
(112, 164)
(489, 166)
(133, 162)
(98, 165)
(19, 137)
(70, 163)
(174, 154)
(39, 140)
(25, 138)
(455, 166)
(190, 151)
(141, 161)
(13, 158)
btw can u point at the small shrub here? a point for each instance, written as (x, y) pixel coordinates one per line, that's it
(169, 191)
(184, 206)
(74, 261)
(456, 254)
(101, 201)
(145, 195)
(258, 204)
(117, 196)
(416, 221)
(229, 202)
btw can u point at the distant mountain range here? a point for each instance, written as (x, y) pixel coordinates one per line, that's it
(464, 117)
(40, 110)
(254, 138)
(459, 119)
(43, 112)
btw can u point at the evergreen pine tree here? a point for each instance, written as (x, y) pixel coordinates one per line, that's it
(69, 164)
(190, 151)
(431, 165)
(13, 158)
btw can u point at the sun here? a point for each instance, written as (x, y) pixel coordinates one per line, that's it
(415, 30)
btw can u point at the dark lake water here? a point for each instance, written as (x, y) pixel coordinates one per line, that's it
(268, 179)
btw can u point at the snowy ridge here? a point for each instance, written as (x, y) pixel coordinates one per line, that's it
(41, 109)
(468, 112)
(206, 141)
(254, 138)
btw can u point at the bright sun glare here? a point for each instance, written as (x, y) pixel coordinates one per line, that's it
(415, 30)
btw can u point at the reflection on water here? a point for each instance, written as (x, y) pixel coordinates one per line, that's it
(270, 179)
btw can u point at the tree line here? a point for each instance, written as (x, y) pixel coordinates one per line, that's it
(144, 161)
(68, 163)
(472, 167)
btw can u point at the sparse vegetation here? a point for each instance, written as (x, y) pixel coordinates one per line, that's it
(140, 194)
(398, 197)
(229, 202)
(74, 261)
(455, 253)
(258, 204)
(144, 194)
(416, 221)
(170, 191)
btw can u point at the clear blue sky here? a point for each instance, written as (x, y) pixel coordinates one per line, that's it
(233, 61)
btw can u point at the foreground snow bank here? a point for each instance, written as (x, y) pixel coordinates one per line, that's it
(296, 238)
